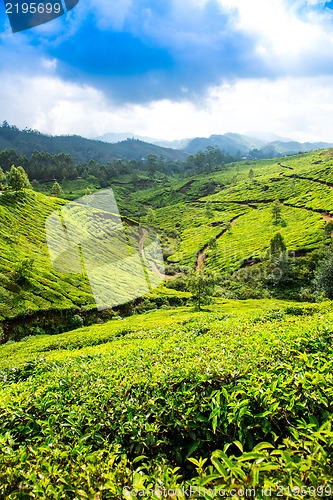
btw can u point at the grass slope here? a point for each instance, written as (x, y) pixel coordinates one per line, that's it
(23, 237)
(301, 183)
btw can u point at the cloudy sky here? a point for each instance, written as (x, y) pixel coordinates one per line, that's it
(173, 69)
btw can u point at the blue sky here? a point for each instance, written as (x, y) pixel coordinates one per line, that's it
(172, 69)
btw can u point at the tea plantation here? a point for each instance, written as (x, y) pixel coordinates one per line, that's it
(239, 396)
(157, 399)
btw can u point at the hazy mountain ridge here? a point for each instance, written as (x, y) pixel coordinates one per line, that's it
(135, 148)
(114, 137)
(266, 145)
(80, 148)
(237, 143)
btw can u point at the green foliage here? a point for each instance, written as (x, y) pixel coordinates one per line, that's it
(329, 228)
(150, 216)
(201, 284)
(240, 395)
(17, 179)
(276, 211)
(56, 189)
(277, 244)
(22, 270)
(324, 277)
(281, 270)
(76, 322)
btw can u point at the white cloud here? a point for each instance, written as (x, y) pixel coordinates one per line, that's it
(284, 36)
(299, 108)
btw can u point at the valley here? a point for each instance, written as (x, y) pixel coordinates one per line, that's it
(231, 390)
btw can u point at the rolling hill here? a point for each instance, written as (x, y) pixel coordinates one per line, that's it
(188, 213)
(157, 395)
(242, 144)
(81, 149)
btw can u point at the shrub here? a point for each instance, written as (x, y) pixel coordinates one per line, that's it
(324, 277)
(76, 322)
(22, 270)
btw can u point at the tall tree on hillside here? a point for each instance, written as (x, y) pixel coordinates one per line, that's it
(17, 179)
(324, 277)
(281, 268)
(56, 189)
(276, 211)
(2, 178)
(328, 229)
(152, 165)
(201, 284)
(277, 244)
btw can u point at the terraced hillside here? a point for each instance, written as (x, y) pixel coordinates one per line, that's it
(236, 397)
(228, 206)
(238, 213)
(34, 297)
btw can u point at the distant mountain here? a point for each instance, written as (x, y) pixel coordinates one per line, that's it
(113, 137)
(244, 145)
(278, 148)
(81, 149)
(231, 143)
(267, 136)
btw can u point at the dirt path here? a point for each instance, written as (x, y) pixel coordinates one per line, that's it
(285, 166)
(143, 235)
(323, 183)
(325, 215)
(185, 187)
(201, 255)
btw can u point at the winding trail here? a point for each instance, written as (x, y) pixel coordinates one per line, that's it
(201, 255)
(284, 166)
(323, 183)
(143, 235)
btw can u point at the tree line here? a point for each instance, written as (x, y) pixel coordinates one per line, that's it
(44, 167)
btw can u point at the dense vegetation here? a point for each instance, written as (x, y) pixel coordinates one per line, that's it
(82, 150)
(237, 395)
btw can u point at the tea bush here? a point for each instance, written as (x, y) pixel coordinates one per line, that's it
(238, 396)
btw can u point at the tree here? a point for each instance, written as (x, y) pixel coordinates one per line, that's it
(17, 179)
(328, 229)
(277, 245)
(56, 189)
(201, 284)
(2, 178)
(152, 165)
(282, 270)
(251, 174)
(151, 216)
(323, 280)
(281, 267)
(276, 211)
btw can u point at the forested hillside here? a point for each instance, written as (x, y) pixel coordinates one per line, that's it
(82, 150)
